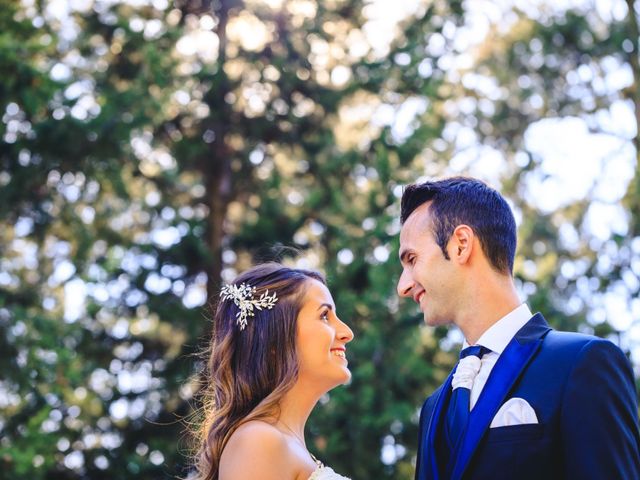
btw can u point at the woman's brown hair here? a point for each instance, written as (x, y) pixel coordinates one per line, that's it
(249, 370)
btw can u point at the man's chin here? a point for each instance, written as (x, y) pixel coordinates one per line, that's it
(429, 321)
(432, 321)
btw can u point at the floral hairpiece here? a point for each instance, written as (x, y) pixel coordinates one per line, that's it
(242, 296)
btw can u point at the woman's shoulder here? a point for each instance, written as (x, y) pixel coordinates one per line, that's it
(258, 436)
(255, 450)
(259, 427)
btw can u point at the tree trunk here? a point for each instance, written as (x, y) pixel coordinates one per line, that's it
(216, 168)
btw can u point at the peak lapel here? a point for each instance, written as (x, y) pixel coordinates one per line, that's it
(510, 365)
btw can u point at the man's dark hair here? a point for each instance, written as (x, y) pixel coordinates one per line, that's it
(462, 200)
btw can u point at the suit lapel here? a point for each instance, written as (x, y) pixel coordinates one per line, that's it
(429, 446)
(509, 367)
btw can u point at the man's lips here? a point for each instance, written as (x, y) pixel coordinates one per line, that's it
(418, 296)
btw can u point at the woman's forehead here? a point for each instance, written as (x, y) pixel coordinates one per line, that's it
(317, 293)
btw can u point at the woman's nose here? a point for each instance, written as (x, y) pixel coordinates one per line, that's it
(344, 333)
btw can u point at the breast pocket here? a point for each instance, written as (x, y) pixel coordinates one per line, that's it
(515, 433)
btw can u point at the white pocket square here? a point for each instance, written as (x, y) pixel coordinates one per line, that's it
(515, 411)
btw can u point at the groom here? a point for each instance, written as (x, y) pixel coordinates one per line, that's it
(526, 401)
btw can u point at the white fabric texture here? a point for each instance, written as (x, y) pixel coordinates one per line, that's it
(468, 368)
(496, 339)
(326, 473)
(515, 411)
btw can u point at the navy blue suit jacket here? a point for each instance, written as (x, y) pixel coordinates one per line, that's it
(583, 392)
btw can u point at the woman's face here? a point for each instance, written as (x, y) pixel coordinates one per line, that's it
(321, 339)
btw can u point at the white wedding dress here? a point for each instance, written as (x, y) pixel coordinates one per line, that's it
(324, 473)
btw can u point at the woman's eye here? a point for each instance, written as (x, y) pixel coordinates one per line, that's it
(325, 316)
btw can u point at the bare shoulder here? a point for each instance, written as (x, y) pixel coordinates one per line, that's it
(257, 450)
(254, 430)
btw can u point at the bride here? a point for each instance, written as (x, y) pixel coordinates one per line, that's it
(277, 347)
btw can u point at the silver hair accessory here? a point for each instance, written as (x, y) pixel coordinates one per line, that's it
(242, 296)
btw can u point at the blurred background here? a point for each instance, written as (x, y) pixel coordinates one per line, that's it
(150, 150)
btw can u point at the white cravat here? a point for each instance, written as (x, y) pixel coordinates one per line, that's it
(496, 339)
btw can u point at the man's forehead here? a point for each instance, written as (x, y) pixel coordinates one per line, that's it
(414, 229)
(417, 222)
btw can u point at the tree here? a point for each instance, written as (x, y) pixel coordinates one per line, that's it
(150, 152)
(576, 67)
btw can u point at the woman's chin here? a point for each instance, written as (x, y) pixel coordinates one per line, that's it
(346, 378)
(337, 377)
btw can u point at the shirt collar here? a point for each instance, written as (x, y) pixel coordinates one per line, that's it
(498, 336)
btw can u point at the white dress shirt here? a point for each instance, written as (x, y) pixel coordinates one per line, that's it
(496, 339)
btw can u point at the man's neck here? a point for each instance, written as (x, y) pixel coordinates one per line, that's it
(488, 303)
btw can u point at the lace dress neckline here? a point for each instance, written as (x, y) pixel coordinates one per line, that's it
(326, 473)
(323, 472)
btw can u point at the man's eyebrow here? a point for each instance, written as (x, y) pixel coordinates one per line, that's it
(328, 305)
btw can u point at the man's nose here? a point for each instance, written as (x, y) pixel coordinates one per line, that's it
(405, 284)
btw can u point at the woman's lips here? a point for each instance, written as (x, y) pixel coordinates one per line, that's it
(339, 352)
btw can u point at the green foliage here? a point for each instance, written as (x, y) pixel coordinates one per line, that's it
(139, 168)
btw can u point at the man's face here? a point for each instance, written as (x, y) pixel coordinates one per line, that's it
(427, 276)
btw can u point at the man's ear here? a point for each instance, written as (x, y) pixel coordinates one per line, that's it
(461, 244)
